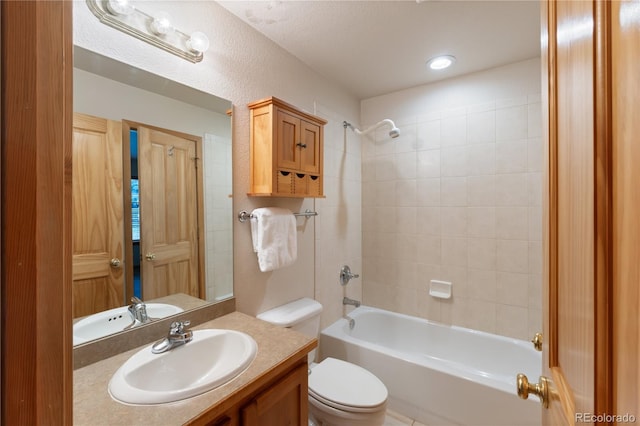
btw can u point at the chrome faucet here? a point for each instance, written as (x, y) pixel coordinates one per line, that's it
(347, 301)
(138, 311)
(346, 275)
(178, 335)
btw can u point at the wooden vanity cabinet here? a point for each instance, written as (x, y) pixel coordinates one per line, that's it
(280, 401)
(286, 150)
(285, 403)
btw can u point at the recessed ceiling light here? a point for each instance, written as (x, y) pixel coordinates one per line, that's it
(441, 62)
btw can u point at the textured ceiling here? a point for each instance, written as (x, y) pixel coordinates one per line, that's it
(377, 47)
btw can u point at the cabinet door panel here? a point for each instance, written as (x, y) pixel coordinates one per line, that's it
(310, 150)
(285, 403)
(288, 137)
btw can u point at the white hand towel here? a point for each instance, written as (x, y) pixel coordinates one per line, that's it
(273, 231)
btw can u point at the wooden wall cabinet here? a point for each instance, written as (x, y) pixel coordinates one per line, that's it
(286, 150)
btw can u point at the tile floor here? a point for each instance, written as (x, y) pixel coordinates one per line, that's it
(396, 419)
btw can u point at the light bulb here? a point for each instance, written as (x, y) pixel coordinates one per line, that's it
(161, 24)
(441, 62)
(198, 42)
(120, 7)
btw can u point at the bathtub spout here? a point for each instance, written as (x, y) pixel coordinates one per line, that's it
(347, 301)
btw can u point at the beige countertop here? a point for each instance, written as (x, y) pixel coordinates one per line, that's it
(93, 406)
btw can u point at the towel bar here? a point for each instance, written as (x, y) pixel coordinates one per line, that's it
(244, 215)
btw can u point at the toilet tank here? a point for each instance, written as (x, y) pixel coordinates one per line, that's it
(302, 315)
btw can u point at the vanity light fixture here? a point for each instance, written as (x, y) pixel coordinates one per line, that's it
(441, 62)
(155, 28)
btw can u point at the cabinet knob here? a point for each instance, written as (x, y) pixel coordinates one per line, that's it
(301, 145)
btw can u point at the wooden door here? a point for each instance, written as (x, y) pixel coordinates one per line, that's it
(168, 213)
(578, 210)
(98, 232)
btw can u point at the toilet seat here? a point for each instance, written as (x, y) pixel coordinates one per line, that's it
(346, 387)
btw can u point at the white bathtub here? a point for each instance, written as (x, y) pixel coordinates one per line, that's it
(439, 374)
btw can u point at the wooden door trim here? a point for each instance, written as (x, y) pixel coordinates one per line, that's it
(603, 139)
(36, 211)
(550, 203)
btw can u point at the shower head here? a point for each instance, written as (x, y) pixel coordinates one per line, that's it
(393, 133)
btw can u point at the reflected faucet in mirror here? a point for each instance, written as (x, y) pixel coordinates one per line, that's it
(138, 311)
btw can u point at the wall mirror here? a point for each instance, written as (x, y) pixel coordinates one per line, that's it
(152, 182)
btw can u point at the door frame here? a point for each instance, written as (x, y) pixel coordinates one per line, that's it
(37, 120)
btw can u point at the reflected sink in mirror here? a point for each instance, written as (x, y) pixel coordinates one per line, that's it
(116, 320)
(211, 359)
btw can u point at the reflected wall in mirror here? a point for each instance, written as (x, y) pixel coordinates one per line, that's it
(126, 119)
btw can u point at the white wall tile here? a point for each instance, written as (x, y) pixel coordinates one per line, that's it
(481, 159)
(481, 222)
(453, 131)
(481, 284)
(534, 120)
(512, 223)
(428, 135)
(453, 191)
(511, 123)
(406, 194)
(512, 189)
(453, 161)
(454, 221)
(454, 251)
(428, 192)
(428, 164)
(458, 198)
(481, 190)
(513, 256)
(481, 127)
(481, 254)
(512, 289)
(511, 157)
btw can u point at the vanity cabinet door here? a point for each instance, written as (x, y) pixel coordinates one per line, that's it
(284, 403)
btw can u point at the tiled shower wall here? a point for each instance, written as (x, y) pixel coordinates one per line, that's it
(457, 197)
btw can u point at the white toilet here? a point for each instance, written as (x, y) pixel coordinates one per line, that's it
(340, 393)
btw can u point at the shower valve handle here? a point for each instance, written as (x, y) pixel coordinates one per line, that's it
(346, 275)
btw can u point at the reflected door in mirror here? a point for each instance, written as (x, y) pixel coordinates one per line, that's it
(98, 232)
(169, 210)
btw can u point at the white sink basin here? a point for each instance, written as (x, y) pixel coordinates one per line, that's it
(211, 359)
(115, 320)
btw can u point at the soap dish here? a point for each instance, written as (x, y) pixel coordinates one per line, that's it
(440, 289)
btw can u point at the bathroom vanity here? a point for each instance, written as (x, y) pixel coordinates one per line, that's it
(272, 391)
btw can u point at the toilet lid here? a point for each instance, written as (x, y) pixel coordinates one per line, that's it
(344, 384)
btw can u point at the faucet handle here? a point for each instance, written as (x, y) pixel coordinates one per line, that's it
(136, 301)
(346, 275)
(178, 327)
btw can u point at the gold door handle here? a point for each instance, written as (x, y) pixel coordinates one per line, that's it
(115, 262)
(537, 341)
(150, 256)
(542, 389)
